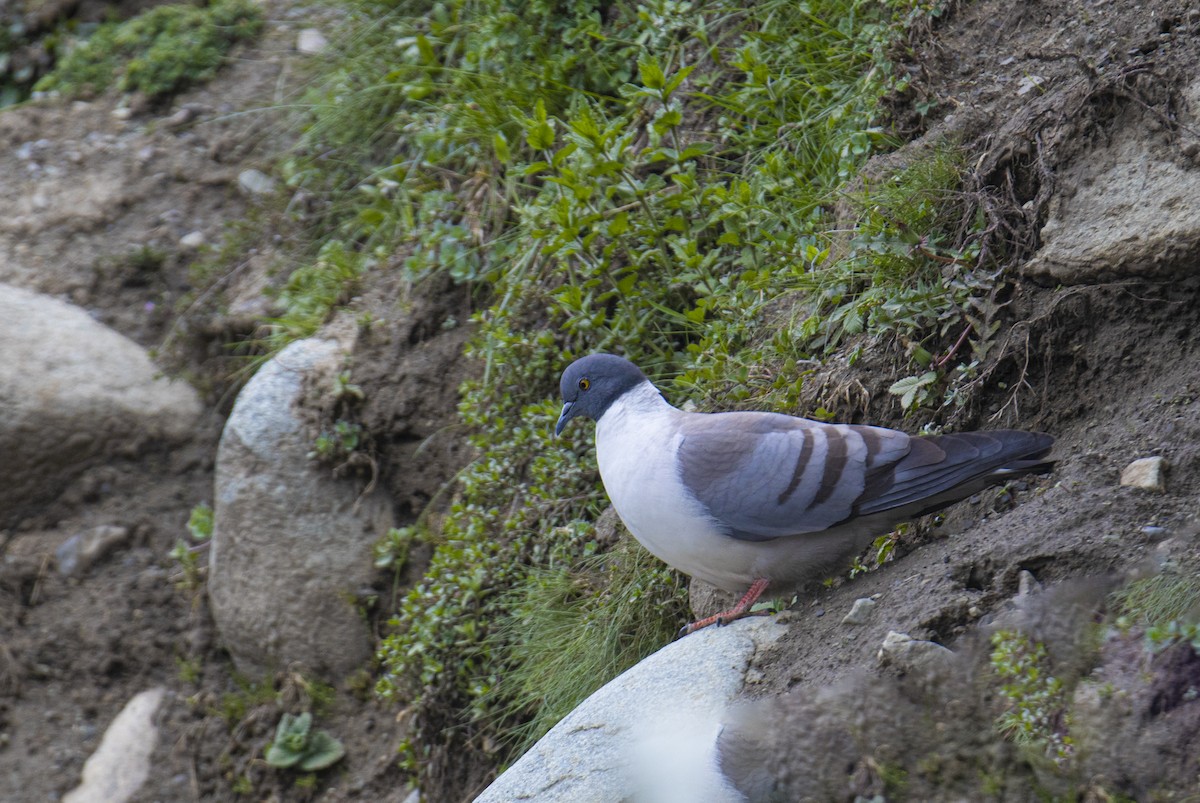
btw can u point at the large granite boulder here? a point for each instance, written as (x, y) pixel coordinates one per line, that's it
(73, 391)
(650, 735)
(292, 544)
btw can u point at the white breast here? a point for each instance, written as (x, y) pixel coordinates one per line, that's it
(636, 441)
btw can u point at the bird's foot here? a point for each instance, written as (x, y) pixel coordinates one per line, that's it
(739, 611)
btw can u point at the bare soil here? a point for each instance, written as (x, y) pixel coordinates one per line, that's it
(1112, 370)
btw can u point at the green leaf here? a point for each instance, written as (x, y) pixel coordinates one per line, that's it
(500, 146)
(323, 751)
(908, 388)
(619, 224)
(650, 73)
(539, 132)
(677, 79)
(279, 756)
(425, 48)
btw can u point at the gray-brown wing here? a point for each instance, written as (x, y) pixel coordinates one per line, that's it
(764, 476)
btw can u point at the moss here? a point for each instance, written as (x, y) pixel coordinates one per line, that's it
(158, 53)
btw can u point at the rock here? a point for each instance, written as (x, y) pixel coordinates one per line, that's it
(648, 735)
(291, 545)
(72, 391)
(1126, 210)
(1027, 584)
(192, 240)
(121, 764)
(859, 612)
(77, 554)
(310, 41)
(1147, 473)
(907, 654)
(256, 182)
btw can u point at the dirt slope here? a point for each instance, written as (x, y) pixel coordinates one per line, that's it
(1113, 370)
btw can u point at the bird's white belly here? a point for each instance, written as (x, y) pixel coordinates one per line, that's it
(644, 487)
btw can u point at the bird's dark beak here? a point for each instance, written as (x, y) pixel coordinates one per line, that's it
(565, 416)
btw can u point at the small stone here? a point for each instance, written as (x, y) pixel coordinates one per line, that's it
(1029, 83)
(121, 764)
(256, 182)
(191, 240)
(81, 550)
(1027, 584)
(1147, 473)
(310, 41)
(1153, 532)
(183, 115)
(859, 612)
(906, 653)
(122, 113)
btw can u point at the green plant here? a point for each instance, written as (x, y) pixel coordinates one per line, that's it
(157, 53)
(236, 705)
(190, 669)
(573, 627)
(1035, 701)
(297, 746)
(187, 554)
(336, 445)
(1170, 595)
(1161, 637)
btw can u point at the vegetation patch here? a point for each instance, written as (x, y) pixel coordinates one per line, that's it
(1035, 712)
(158, 53)
(663, 181)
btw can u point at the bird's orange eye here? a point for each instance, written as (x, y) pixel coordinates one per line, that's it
(584, 383)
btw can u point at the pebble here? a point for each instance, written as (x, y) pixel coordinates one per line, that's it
(906, 653)
(256, 182)
(193, 239)
(310, 41)
(1146, 473)
(859, 612)
(75, 555)
(1027, 584)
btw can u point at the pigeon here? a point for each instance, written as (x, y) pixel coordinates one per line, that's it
(750, 500)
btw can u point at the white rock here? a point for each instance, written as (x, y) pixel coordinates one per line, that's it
(859, 612)
(1027, 584)
(73, 390)
(1147, 472)
(650, 734)
(256, 182)
(121, 764)
(191, 240)
(311, 41)
(292, 545)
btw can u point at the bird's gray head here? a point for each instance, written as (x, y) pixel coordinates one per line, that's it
(591, 384)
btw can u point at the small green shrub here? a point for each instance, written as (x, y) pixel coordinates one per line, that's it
(1035, 701)
(158, 53)
(297, 746)
(187, 552)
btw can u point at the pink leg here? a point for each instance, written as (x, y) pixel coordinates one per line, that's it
(742, 609)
